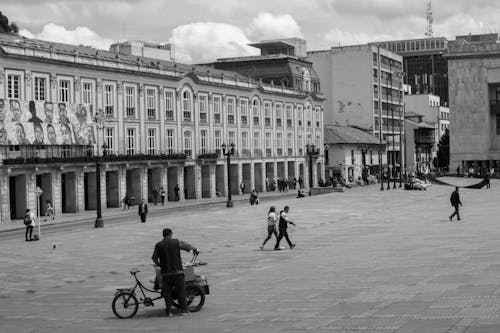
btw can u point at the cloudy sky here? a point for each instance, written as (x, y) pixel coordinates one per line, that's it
(203, 30)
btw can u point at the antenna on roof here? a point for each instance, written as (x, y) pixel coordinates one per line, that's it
(428, 14)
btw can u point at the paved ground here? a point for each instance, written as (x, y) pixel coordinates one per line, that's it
(365, 260)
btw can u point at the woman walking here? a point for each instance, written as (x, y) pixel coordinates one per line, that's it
(272, 218)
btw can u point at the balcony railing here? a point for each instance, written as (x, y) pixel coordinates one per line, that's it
(246, 153)
(425, 139)
(257, 152)
(269, 152)
(204, 155)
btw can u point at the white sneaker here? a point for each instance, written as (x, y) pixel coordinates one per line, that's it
(282, 247)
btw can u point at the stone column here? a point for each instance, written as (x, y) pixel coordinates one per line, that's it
(4, 196)
(198, 185)
(263, 174)
(240, 174)
(213, 180)
(180, 181)
(80, 189)
(225, 178)
(252, 176)
(144, 183)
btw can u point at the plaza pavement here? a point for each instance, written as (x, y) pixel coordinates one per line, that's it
(365, 260)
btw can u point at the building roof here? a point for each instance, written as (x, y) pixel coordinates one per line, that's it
(335, 134)
(278, 43)
(422, 124)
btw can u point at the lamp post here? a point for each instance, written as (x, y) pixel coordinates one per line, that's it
(379, 79)
(99, 118)
(310, 151)
(228, 153)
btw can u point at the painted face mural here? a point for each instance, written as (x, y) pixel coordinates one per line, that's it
(43, 122)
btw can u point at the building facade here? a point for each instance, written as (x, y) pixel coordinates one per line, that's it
(419, 142)
(425, 67)
(163, 125)
(474, 105)
(356, 80)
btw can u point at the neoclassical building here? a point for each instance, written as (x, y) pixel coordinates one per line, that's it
(150, 122)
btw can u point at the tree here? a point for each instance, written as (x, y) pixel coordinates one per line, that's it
(443, 153)
(5, 27)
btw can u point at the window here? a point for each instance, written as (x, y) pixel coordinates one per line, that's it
(308, 115)
(268, 144)
(256, 144)
(318, 140)
(230, 111)
(217, 109)
(40, 89)
(300, 115)
(64, 91)
(279, 144)
(289, 143)
(352, 157)
(187, 143)
(231, 137)
(14, 86)
(169, 105)
(203, 109)
(289, 116)
(244, 141)
(203, 141)
(244, 111)
(279, 115)
(318, 118)
(109, 100)
(87, 93)
(300, 145)
(130, 102)
(255, 112)
(151, 141)
(130, 141)
(267, 114)
(169, 135)
(186, 105)
(109, 138)
(151, 103)
(218, 140)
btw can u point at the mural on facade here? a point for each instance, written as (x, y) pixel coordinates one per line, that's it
(45, 123)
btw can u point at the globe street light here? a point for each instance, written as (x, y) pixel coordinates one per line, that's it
(228, 153)
(310, 151)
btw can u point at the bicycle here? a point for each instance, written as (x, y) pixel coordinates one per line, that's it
(125, 303)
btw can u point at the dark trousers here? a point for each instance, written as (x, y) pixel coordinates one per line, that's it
(271, 230)
(143, 217)
(176, 282)
(456, 212)
(163, 200)
(283, 233)
(29, 230)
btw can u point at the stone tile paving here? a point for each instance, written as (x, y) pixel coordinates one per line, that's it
(365, 261)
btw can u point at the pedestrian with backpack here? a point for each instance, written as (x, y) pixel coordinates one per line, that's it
(29, 221)
(283, 226)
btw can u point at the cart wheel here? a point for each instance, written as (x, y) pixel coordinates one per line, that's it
(195, 298)
(125, 305)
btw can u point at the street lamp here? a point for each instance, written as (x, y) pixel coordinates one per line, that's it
(310, 151)
(228, 153)
(99, 119)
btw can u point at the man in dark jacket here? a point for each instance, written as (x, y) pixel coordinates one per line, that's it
(167, 255)
(143, 211)
(455, 202)
(283, 226)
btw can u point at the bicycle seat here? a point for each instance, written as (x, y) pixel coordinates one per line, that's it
(134, 271)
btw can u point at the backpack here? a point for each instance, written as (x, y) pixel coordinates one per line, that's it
(27, 219)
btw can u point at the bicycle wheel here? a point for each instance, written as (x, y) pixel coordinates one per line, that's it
(195, 298)
(125, 305)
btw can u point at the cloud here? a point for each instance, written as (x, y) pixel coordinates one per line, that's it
(269, 26)
(206, 41)
(79, 36)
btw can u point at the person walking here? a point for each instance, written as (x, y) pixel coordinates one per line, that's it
(163, 194)
(155, 195)
(283, 226)
(167, 256)
(272, 218)
(29, 221)
(176, 191)
(49, 210)
(455, 202)
(143, 210)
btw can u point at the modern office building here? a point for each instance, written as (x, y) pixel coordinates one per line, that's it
(425, 69)
(356, 80)
(474, 104)
(163, 124)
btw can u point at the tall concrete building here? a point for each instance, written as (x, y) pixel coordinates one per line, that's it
(357, 82)
(474, 103)
(163, 124)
